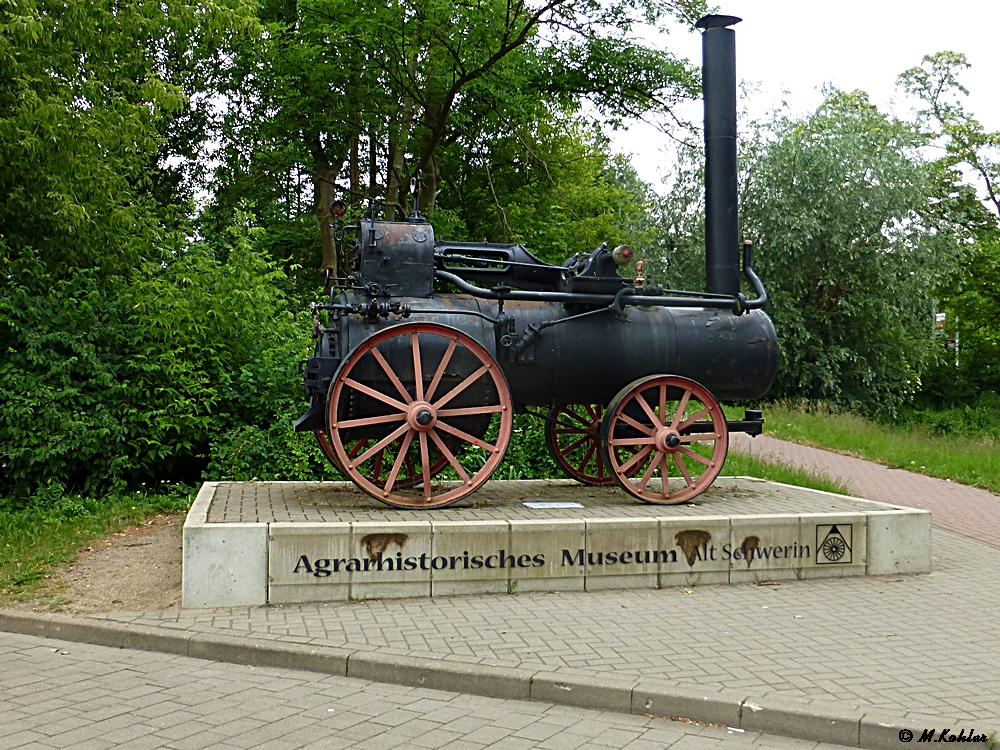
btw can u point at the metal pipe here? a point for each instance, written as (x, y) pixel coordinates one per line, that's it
(721, 303)
(722, 226)
(755, 283)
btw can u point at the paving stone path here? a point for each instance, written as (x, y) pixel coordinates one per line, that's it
(55, 694)
(912, 645)
(921, 648)
(966, 510)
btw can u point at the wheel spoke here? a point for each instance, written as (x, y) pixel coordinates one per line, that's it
(348, 423)
(439, 373)
(590, 411)
(691, 420)
(587, 456)
(570, 413)
(663, 404)
(418, 373)
(377, 469)
(648, 474)
(466, 437)
(636, 458)
(461, 386)
(450, 457)
(664, 479)
(470, 410)
(683, 469)
(356, 449)
(374, 394)
(637, 425)
(646, 408)
(379, 446)
(392, 376)
(632, 441)
(398, 463)
(691, 454)
(425, 461)
(576, 444)
(680, 409)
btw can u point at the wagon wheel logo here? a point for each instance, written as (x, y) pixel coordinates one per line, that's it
(833, 544)
(834, 548)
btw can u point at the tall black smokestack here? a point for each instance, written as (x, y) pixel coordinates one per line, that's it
(722, 223)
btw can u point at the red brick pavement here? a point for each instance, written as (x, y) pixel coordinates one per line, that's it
(965, 510)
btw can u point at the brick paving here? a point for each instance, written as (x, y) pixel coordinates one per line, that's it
(957, 507)
(324, 502)
(55, 694)
(910, 646)
(907, 645)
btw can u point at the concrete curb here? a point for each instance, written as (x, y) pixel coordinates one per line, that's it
(816, 721)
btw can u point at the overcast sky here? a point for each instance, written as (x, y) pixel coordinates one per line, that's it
(796, 47)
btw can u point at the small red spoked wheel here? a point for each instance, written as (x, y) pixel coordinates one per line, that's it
(413, 393)
(665, 439)
(572, 435)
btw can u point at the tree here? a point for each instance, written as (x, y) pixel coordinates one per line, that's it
(334, 90)
(86, 107)
(852, 238)
(972, 298)
(853, 243)
(552, 187)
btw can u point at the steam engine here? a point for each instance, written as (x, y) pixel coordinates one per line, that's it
(430, 347)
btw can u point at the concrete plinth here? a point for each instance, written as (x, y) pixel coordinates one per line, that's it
(284, 542)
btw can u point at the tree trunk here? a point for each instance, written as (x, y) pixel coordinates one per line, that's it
(435, 118)
(397, 154)
(393, 194)
(325, 187)
(325, 195)
(355, 170)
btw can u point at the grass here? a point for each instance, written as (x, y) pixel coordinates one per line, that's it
(45, 531)
(960, 458)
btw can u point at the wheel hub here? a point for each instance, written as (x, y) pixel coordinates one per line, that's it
(667, 440)
(421, 416)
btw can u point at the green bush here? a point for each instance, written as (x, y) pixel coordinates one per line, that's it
(269, 453)
(114, 381)
(63, 394)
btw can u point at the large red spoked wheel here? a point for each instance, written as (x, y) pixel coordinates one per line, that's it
(414, 392)
(572, 435)
(409, 475)
(665, 439)
(327, 449)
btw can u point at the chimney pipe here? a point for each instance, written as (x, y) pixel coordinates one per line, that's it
(722, 224)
